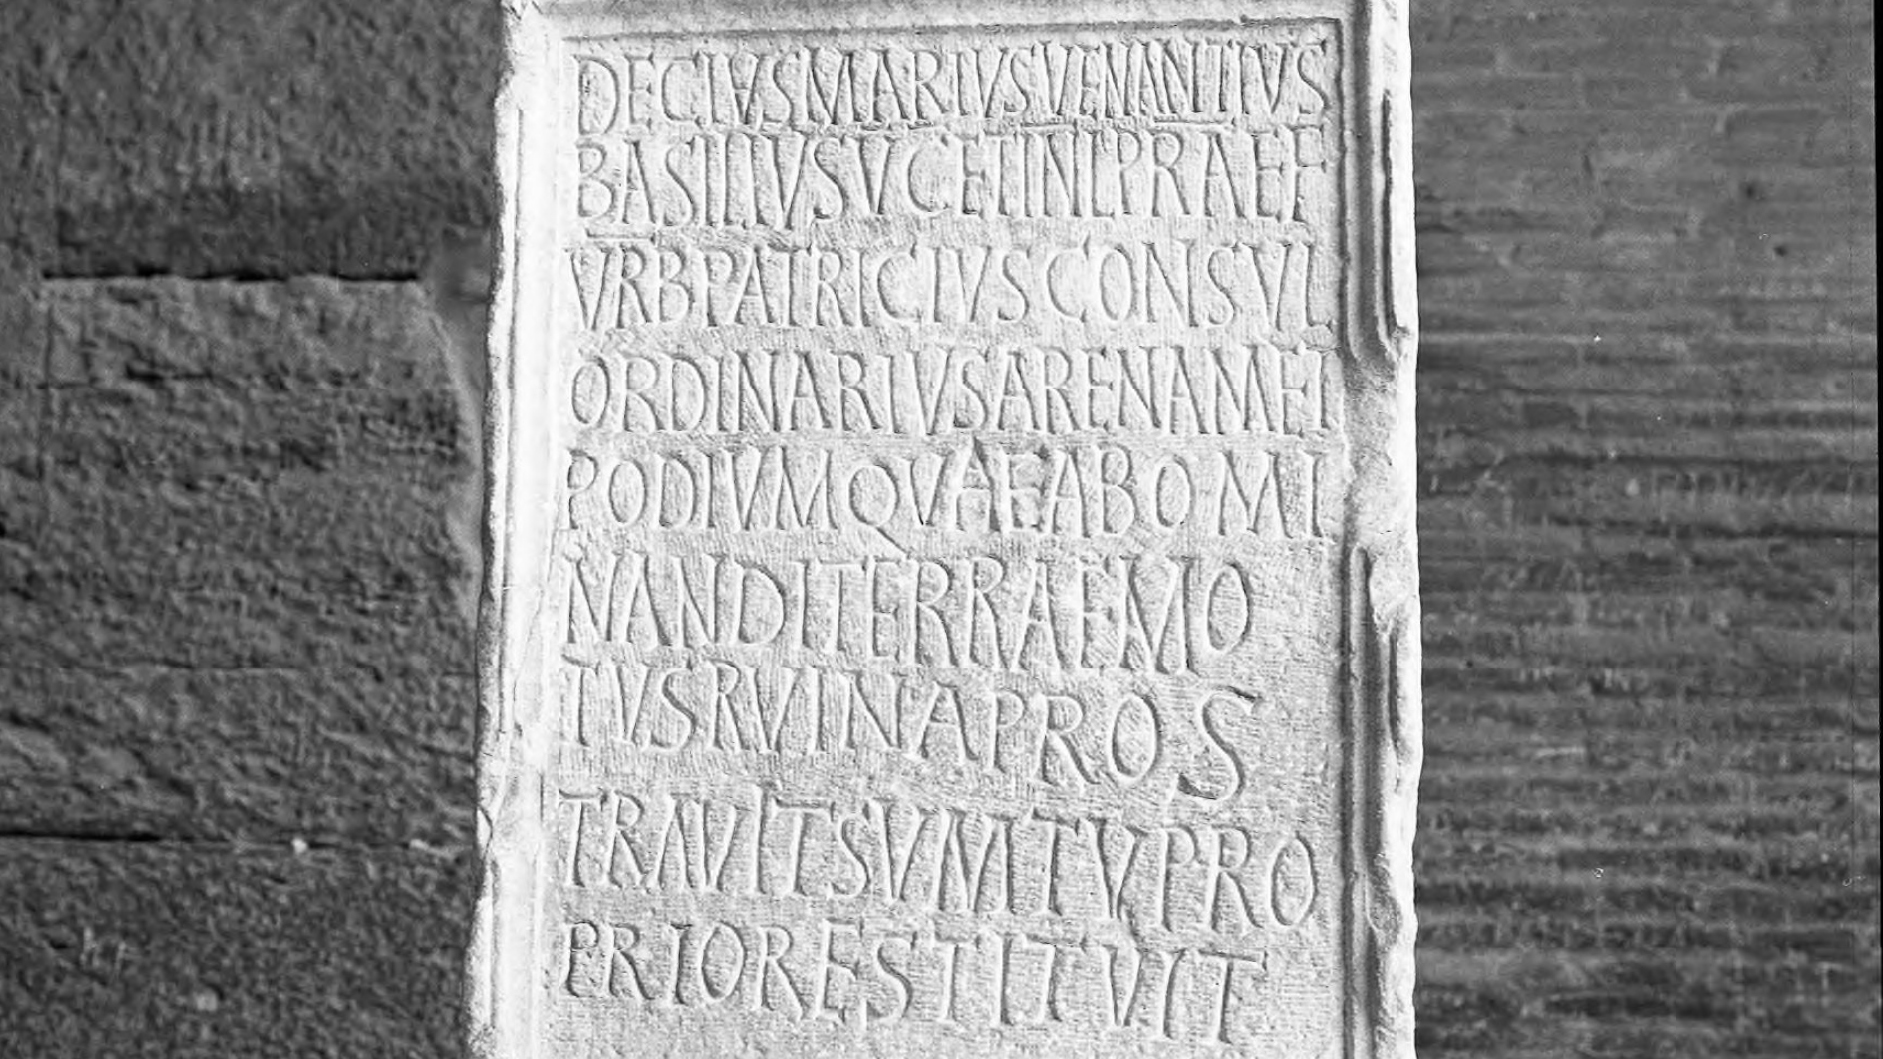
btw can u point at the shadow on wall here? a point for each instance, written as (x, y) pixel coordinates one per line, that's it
(458, 279)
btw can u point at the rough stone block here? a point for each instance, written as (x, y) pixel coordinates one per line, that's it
(166, 951)
(222, 138)
(225, 565)
(326, 755)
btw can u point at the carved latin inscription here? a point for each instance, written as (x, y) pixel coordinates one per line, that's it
(940, 641)
(952, 499)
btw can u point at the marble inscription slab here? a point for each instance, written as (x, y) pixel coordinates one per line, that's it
(952, 582)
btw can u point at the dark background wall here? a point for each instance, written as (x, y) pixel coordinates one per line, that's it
(240, 285)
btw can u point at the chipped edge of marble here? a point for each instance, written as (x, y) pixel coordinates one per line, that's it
(1393, 592)
(487, 1023)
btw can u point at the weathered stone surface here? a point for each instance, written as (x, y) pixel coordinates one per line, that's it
(172, 951)
(193, 462)
(952, 527)
(332, 754)
(226, 564)
(215, 137)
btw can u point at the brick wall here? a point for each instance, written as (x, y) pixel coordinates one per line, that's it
(1648, 420)
(237, 293)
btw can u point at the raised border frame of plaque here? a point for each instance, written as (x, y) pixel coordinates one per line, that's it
(1378, 567)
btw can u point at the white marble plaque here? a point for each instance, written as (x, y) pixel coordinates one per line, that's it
(952, 585)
